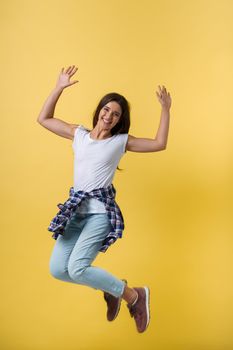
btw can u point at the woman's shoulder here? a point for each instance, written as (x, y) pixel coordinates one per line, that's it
(122, 135)
(80, 130)
(82, 127)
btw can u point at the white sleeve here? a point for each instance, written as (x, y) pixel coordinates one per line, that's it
(124, 142)
(76, 132)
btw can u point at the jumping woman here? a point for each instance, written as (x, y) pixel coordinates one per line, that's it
(90, 220)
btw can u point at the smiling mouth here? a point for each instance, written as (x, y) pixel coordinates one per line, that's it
(106, 122)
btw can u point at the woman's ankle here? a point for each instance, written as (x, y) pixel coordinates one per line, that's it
(130, 295)
(135, 300)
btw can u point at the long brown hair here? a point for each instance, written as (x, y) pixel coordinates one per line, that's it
(122, 127)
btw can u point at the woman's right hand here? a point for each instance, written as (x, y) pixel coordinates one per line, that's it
(64, 77)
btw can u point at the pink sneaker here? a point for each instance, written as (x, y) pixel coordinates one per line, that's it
(140, 310)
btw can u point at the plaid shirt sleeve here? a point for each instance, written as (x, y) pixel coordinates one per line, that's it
(105, 195)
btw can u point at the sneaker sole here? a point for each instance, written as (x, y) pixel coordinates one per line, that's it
(147, 290)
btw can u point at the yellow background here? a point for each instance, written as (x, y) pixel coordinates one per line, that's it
(177, 203)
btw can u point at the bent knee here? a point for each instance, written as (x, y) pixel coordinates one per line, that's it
(76, 270)
(58, 272)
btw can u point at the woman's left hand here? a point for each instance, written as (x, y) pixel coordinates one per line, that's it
(164, 97)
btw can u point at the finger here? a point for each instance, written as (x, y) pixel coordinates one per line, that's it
(74, 82)
(69, 69)
(161, 91)
(66, 70)
(62, 69)
(73, 68)
(73, 71)
(159, 94)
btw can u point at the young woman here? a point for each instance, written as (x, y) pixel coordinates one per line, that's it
(90, 220)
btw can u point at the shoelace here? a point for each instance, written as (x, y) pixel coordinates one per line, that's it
(132, 310)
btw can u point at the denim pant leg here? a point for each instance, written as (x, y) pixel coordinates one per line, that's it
(79, 246)
(63, 248)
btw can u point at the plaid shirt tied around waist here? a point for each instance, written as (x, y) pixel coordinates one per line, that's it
(105, 195)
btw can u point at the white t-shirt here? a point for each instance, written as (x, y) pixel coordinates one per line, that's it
(95, 163)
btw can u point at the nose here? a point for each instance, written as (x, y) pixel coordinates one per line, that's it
(109, 115)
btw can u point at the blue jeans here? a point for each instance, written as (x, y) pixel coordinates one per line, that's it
(75, 250)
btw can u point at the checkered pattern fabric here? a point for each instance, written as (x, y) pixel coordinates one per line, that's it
(105, 195)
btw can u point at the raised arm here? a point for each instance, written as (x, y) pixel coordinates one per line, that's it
(159, 143)
(46, 116)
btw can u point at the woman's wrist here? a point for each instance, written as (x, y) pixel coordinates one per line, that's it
(166, 108)
(58, 88)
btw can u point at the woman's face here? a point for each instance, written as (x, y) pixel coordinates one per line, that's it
(110, 115)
